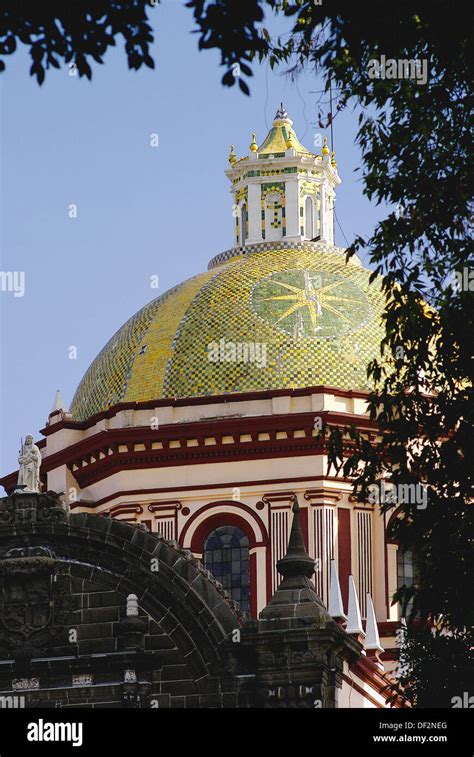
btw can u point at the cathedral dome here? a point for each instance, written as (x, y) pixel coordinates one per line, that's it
(280, 318)
(280, 310)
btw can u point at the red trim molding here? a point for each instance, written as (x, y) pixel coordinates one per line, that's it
(236, 507)
(322, 493)
(388, 627)
(107, 452)
(166, 504)
(354, 685)
(187, 401)
(125, 509)
(369, 673)
(202, 487)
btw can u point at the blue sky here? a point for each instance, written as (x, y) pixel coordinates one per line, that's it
(141, 211)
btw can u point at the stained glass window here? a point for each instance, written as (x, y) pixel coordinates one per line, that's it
(226, 555)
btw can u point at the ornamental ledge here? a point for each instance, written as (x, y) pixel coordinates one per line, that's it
(242, 251)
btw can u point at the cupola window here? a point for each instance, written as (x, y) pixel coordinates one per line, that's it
(243, 224)
(309, 218)
(273, 216)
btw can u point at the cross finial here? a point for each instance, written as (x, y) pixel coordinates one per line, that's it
(281, 112)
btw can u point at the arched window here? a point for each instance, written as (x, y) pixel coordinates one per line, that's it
(308, 208)
(243, 224)
(226, 555)
(273, 216)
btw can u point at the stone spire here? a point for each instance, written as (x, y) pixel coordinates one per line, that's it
(295, 596)
(300, 651)
(335, 607)
(354, 620)
(58, 403)
(59, 410)
(372, 639)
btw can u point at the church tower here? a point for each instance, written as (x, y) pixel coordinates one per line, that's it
(282, 192)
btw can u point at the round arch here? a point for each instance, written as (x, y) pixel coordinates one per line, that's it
(242, 515)
(230, 513)
(184, 617)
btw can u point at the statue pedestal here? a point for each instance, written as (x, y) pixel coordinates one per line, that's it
(23, 506)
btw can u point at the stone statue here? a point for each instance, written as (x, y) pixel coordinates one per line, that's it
(30, 462)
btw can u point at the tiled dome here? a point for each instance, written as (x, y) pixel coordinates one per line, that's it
(281, 317)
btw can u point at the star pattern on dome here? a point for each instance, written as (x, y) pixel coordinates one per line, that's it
(315, 299)
(311, 303)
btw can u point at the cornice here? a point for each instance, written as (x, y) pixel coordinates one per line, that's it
(266, 394)
(228, 439)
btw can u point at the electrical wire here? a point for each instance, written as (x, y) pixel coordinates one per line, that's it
(340, 227)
